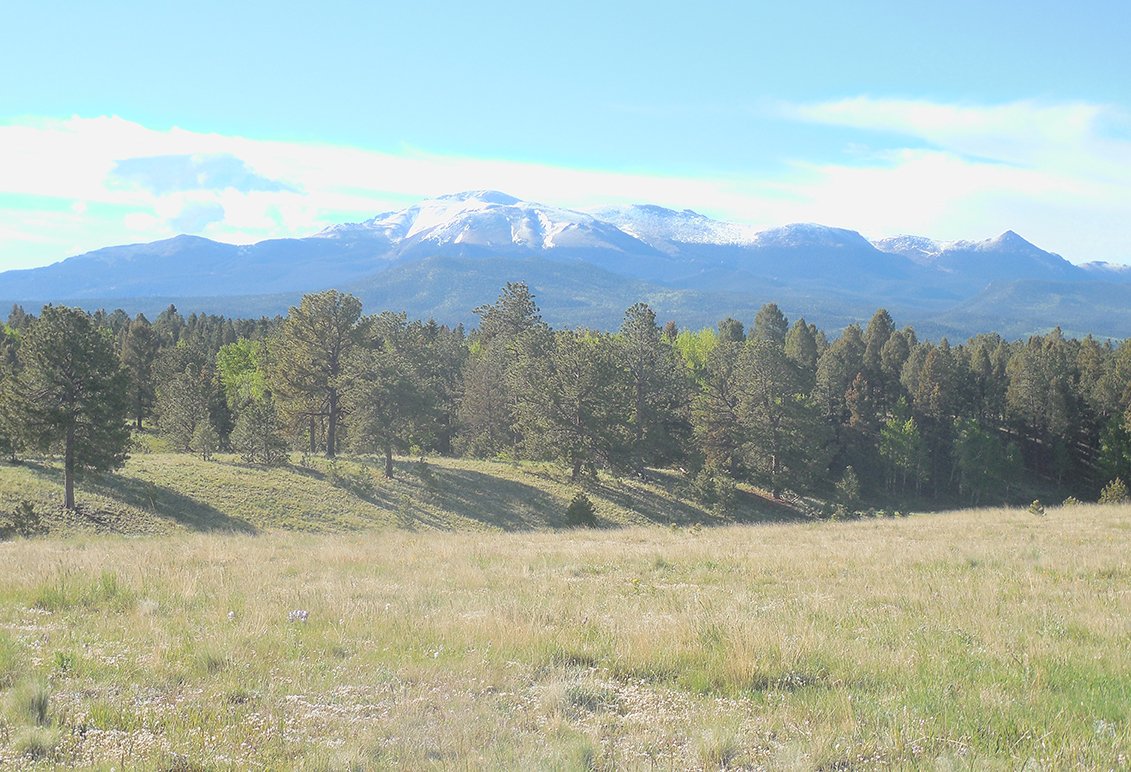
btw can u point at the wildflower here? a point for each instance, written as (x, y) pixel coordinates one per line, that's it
(298, 615)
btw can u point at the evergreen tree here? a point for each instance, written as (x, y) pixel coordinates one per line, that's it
(140, 346)
(782, 428)
(72, 393)
(731, 330)
(18, 319)
(878, 333)
(258, 434)
(313, 362)
(801, 348)
(182, 405)
(658, 421)
(169, 325)
(392, 404)
(716, 408)
(770, 325)
(510, 330)
(574, 403)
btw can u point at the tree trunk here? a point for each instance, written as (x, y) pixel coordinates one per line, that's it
(69, 469)
(389, 460)
(332, 425)
(576, 472)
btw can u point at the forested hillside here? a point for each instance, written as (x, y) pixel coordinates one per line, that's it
(874, 418)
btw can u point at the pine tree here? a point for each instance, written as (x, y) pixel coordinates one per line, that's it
(782, 427)
(510, 330)
(258, 434)
(770, 325)
(140, 346)
(393, 404)
(574, 403)
(715, 410)
(182, 404)
(659, 389)
(313, 362)
(72, 393)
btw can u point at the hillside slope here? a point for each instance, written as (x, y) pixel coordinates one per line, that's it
(157, 493)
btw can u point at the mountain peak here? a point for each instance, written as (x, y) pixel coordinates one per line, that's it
(486, 196)
(1011, 239)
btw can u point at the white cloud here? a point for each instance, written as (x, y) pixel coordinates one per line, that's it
(80, 161)
(1048, 171)
(946, 171)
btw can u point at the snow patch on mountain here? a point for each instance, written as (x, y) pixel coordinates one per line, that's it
(810, 235)
(658, 226)
(919, 249)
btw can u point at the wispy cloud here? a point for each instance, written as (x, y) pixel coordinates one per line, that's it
(1053, 171)
(178, 173)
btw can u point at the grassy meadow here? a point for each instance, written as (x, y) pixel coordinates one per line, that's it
(448, 625)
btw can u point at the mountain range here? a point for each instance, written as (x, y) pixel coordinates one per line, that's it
(443, 257)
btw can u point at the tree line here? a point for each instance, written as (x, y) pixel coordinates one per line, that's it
(875, 415)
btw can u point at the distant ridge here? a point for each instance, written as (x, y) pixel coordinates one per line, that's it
(448, 254)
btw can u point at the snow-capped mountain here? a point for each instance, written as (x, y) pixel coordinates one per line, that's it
(448, 254)
(488, 219)
(1004, 257)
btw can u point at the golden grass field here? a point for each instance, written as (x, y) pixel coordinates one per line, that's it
(968, 640)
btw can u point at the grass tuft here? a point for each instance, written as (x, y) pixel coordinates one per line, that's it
(36, 743)
(29, 703)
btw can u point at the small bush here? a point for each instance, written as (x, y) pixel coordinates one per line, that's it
(23, 520)
(581, 513)
(205, 440)
(1071, 501)
(848, 488)
(715, 489)
(357, 481)
(1115, 492)
(1036, 508)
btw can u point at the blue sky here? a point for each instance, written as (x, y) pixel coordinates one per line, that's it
(130, 121)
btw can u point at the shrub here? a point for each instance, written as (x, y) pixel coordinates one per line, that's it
(205, 440)
(1071, 501)
(714, 488)
(23, 520)
(848, 487)
(581, 513)
(1115, 492)
(1036, 508)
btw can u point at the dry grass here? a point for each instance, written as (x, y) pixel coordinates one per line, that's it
(988, 638)
(166, 493)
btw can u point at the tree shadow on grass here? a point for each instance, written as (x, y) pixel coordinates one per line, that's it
(158, 500)
(484, 498)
